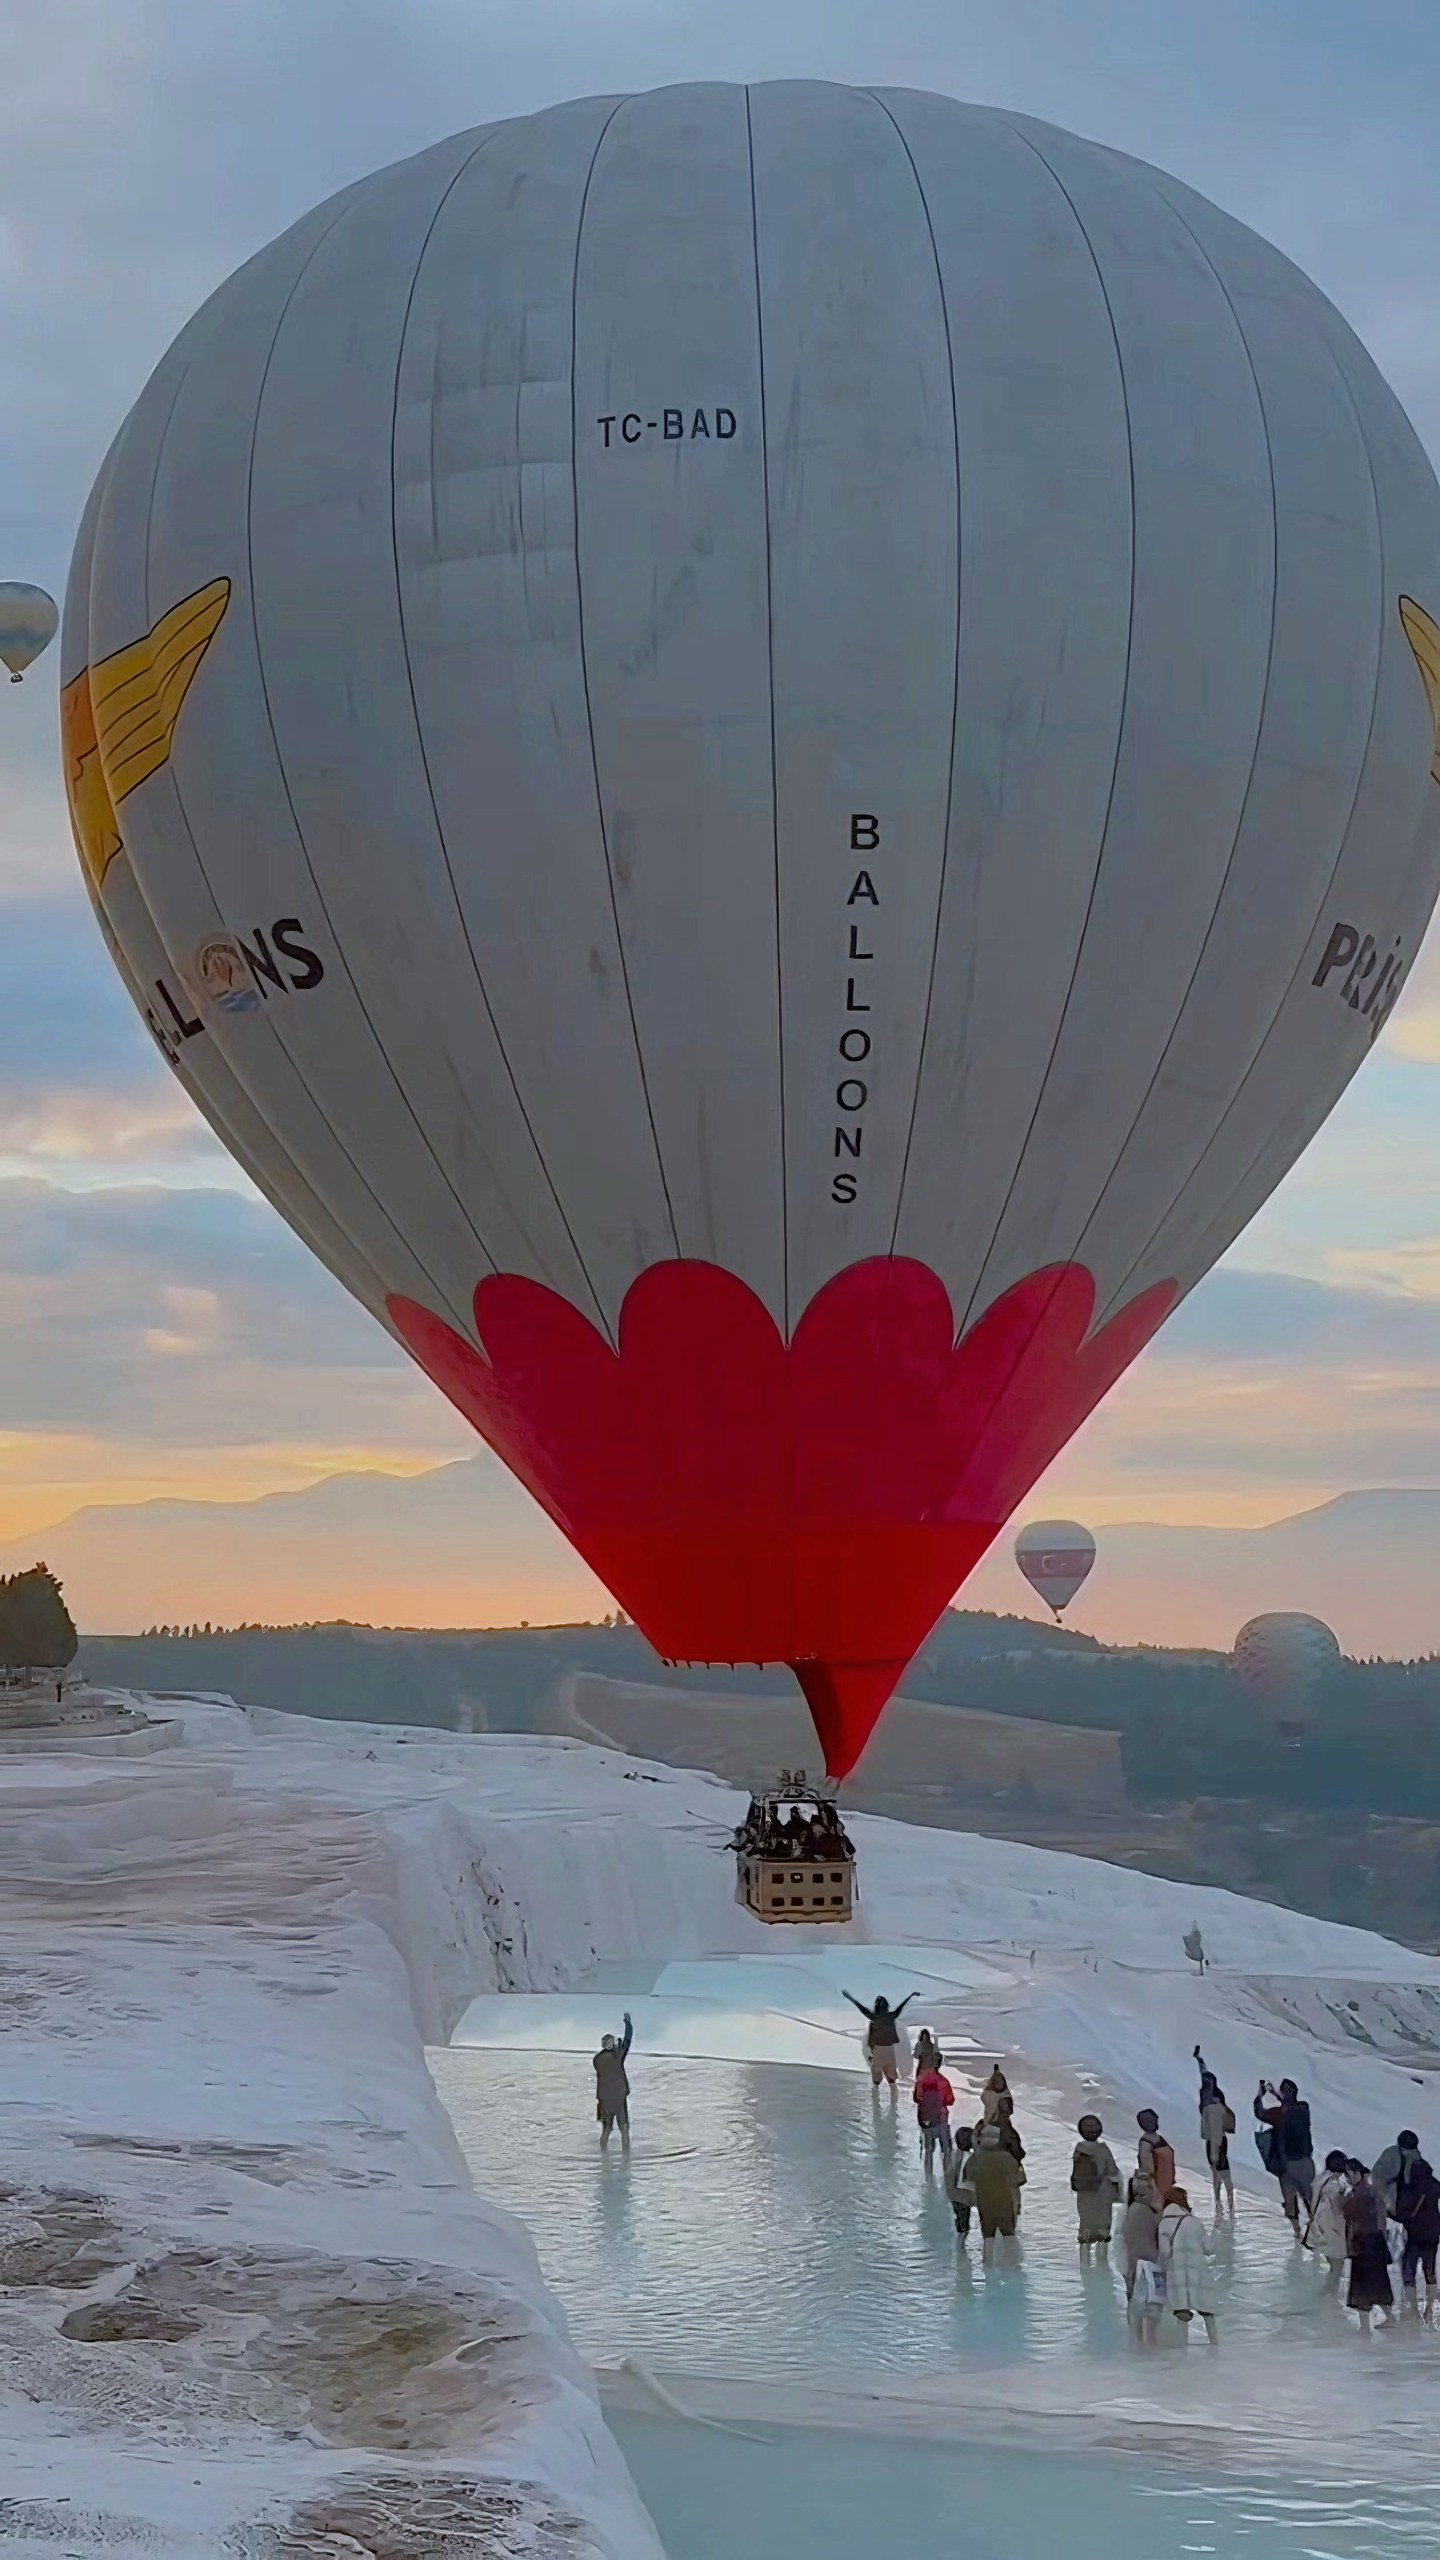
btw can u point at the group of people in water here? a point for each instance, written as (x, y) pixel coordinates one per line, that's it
(1358, 2220)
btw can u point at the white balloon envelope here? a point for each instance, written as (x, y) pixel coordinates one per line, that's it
(1055, 1557)
(29, 620)
(766, 754)
(1282, 1657)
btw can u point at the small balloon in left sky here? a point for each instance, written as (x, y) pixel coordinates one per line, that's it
(29, 620)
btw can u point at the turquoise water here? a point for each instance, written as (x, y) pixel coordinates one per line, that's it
(714, 2495)
(766, 2204)
(772, 2226)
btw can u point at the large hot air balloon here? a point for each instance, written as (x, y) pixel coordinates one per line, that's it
(29, 620)
(1055, 1557)
(766, 754)
(1281, 1659)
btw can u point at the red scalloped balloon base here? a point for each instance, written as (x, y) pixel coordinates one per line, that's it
(817, 1502)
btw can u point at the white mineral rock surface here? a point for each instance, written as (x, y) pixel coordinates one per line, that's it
(251, 2306)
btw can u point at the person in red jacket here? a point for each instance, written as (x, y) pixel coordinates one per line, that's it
(934, 2099)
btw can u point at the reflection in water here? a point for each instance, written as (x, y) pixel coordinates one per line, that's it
(772, 2204)
(772, 2220)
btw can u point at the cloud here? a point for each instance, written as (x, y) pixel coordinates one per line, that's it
(1265, 1392)
(183, 1342)
(1240, 1317)
(189, 1318)
(85, 1096)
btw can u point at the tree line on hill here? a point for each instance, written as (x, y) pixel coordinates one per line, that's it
(1187, 1727)
(37, 1632)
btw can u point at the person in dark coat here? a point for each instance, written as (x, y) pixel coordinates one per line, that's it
(1417, 2209)
(957, 2179)
(1389, 2169)
(882, 2039)
(1370, 2288)
(612, 2085)
(1291, 2159)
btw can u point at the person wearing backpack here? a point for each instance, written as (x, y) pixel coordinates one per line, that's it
(1094, 2183)
(997, 2178)
(934, 2099)
(1155, 2157)
(1217, 2123)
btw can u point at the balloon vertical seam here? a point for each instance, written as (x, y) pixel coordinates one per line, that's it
(1237, 1098)
(970, 1308)
(379, 1048)
(389, 1220)
(585, 678)
(422, 749)
(1245, 799)
(1023, 1344)
(774, 750)
(955, 695)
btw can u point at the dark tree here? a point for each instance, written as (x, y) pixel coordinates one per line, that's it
(37, 1632)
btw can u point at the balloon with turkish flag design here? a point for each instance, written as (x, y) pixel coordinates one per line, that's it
(1055, 1557)
(766, 754)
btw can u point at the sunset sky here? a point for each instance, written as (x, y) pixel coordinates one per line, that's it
(163, 1332)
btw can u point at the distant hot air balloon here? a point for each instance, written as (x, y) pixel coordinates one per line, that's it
(29, 620)
(1055, 1556)
(1282, 1658)
(766, 754)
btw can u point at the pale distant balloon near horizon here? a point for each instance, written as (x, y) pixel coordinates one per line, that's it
(1055, 1556)
(1281, 1658)
(766, 754)
(29, 620)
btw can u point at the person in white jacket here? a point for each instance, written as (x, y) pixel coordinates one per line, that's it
(1325, 2230)
(1185, 2258)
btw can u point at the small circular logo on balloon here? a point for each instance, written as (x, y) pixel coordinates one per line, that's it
(222, 976)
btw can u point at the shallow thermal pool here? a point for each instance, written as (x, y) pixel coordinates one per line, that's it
(771, 2228)
(714, 2494)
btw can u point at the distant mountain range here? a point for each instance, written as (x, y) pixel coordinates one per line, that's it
(462, 1546)
(459, 1546)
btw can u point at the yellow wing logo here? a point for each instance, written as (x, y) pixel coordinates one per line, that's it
(1423, 634)
(117, 719)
